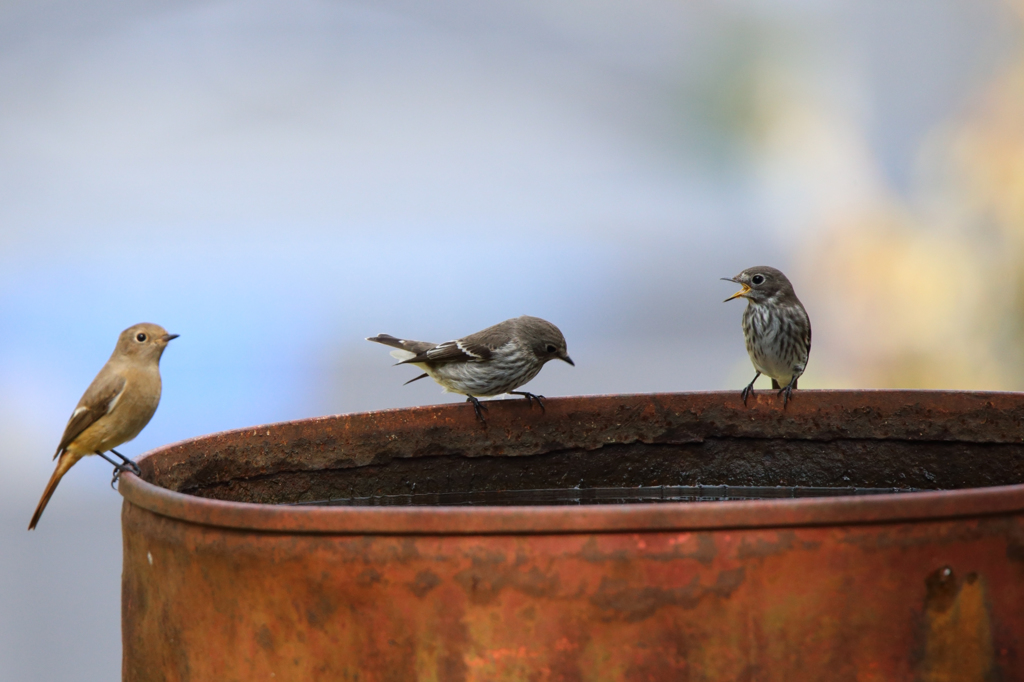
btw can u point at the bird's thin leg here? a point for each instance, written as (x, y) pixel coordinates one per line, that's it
(134, 467)
(118, 468)
(117, 465)
(787, 392)
(749, 389)
(530, 397)
(477, 407)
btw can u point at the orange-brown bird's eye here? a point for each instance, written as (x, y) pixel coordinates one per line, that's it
(551, 349)
(140, 337)
(757, 279)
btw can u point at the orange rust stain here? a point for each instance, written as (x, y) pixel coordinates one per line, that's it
(958, 630)
(564, 644)
(679, 539)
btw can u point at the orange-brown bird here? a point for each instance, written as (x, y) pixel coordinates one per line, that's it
(118, 404)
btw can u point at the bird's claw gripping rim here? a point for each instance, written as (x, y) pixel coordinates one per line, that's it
(530, 397)
(478, 407)
(787, 394)
(121, 468)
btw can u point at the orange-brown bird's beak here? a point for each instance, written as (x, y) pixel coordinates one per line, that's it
(169, 337)
(567, 359)
(741, 292)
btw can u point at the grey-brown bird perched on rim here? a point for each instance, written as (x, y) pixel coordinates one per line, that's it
(775, 326)
(118, 404)
(497, 360)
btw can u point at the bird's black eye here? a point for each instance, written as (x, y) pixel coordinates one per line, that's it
(140, 337)
(757, 279)
(551, 349)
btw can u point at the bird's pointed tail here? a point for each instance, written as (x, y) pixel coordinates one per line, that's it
(404, 348)
(67, 460)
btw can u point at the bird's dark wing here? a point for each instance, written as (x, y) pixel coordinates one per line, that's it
(473, 348)
(97, 401)
(455, 351)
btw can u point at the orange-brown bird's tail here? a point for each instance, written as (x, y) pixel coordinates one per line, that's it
(67, 460)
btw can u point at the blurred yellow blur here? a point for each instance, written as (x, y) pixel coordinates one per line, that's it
(925, 290)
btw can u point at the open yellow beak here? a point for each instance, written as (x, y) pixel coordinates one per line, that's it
(741, 292)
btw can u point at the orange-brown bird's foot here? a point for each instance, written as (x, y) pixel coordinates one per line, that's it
(749, 390)
(117, 475)
(478, 407)
(530, 397)
(121, 467)
(128, 463)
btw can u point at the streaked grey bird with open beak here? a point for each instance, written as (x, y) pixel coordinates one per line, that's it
(491, 362)
(776, 328)
(118, 404)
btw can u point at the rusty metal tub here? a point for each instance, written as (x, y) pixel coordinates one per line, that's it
(229, 576)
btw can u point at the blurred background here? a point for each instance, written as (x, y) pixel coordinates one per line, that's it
(277, 181)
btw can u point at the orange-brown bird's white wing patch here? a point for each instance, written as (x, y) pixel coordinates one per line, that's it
(99, 399)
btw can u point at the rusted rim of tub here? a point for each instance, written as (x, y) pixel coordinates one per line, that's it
(591, 421)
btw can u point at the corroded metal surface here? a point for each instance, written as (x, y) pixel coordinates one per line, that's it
(920, 586)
